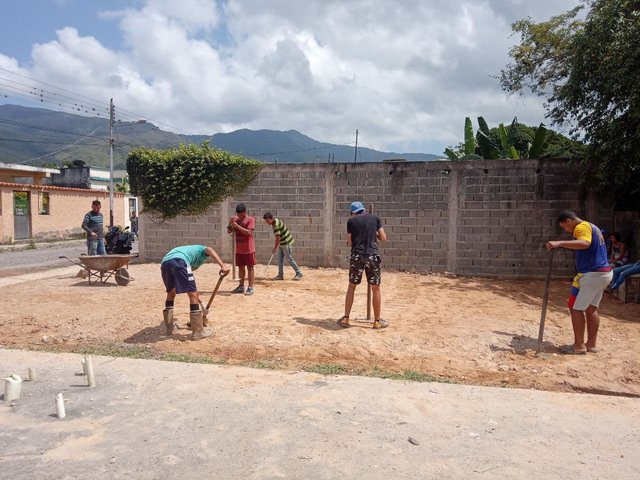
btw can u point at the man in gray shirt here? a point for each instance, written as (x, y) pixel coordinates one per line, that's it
(93, 224)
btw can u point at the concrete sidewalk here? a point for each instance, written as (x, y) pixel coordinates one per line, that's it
(162, 420)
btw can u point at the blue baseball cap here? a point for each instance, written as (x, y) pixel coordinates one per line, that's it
(357, 207)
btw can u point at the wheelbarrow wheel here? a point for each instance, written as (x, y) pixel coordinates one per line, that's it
(122, 277)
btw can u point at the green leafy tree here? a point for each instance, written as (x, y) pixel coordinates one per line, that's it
(587, 71)
(187, 180)
(514, 141)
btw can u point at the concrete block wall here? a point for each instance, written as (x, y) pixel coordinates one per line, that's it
(487, 218)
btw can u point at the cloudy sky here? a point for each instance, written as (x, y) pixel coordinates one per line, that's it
(404, 73)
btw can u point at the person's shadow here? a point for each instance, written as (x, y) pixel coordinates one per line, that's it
(159, 334)
(520, 344)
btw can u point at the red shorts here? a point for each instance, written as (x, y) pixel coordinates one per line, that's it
(248, 259)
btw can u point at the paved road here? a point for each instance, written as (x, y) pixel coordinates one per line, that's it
(43, 257)
(168, 420)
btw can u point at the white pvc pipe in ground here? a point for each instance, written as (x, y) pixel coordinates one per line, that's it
(90, 376)
(60, 406)
(12, 388)
(32, 374)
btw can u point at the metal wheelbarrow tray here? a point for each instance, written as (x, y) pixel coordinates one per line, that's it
(103, 267)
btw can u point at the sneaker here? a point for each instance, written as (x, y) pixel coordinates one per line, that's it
(249, 291)
(278, 277)
(378, 324)
(298, 276)
(238, 289)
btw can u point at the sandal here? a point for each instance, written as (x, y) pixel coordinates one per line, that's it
(344, 322)
(378, 324)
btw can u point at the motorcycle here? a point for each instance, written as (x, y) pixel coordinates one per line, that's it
(118, 240)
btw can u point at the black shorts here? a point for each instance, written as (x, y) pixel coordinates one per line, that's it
(176, 273)
(370, 264)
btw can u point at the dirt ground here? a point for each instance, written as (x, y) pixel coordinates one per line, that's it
(476, 331)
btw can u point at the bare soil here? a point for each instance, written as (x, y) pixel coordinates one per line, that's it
(468, 330)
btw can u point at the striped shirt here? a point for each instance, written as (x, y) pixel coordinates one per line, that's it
(281, 230)
(93, 222)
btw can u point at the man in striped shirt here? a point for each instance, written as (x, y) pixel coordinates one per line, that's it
(93, 224)
(283, 243)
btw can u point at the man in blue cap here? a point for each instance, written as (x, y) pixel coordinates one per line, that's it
(363, 232)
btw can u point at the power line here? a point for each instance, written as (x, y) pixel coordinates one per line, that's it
(60, 149)
(47, 142)
(20, 124)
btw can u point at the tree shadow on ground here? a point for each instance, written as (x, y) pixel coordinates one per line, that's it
(531, 292)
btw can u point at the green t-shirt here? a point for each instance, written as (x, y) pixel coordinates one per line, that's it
(279, 228)
(192, 254)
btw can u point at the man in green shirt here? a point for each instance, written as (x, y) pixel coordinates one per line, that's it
(283, 243)
(177, 274)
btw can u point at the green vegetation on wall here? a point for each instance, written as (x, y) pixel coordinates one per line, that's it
(187, 180)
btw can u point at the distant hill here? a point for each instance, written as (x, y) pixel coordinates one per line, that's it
(37, 136)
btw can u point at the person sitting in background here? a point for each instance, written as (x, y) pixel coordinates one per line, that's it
(621, 273)
(619, 255)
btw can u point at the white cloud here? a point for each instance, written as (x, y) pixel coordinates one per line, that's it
(404, 73)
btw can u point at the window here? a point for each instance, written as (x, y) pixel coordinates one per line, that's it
(43, 203)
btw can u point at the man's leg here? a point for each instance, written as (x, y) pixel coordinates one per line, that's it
(241, 275)
(593, 324)
(623, 273)
(100, 250)
(251, 274)
(348, 301)
(280, 262)
(291, 261)
(578, 323)
(377, 301)
(92, 246)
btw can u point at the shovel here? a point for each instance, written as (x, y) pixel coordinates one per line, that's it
(268, 263)
(205, 310)
(545, 300)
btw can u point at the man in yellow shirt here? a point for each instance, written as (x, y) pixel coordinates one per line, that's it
(594, 274)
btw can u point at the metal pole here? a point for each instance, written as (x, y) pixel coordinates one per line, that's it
(369, 293)
(355, 153)
(111, 121)
(233, 254)
(545, 300)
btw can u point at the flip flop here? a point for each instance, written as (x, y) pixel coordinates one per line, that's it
(593, 350)
(569, 350)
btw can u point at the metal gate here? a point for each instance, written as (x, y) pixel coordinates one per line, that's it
(21, 216)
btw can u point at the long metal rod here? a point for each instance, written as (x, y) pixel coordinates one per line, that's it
(545, 300)
(111, 121)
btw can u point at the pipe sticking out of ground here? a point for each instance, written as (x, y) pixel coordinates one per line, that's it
(89, 371)
(12, 388)
(60, 406)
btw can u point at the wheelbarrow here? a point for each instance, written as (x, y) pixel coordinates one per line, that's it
(102, 267)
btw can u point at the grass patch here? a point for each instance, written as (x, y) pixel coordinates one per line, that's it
(265, 364)
(375, 372)
(139, 352)
(142, 352)
(326, 369)
(32, 245)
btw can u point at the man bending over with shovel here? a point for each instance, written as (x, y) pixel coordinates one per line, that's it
(594, 274)
(177, 274)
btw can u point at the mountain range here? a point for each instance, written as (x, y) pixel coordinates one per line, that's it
(37, 136)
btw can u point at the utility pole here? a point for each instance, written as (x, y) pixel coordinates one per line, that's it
(111, 122)
(355, 155)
